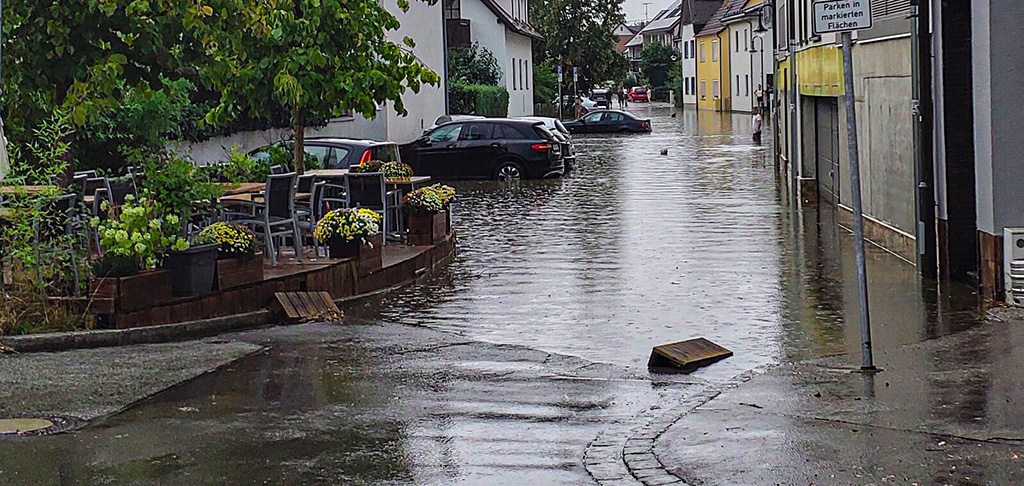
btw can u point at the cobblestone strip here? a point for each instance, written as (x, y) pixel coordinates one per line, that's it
(623, 455)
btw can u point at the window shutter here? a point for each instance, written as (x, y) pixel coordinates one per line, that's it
(889, 8)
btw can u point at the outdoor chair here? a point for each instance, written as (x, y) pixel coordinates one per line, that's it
(115, 192)
(309, 218)
(368, 191)
(276, 216)
(276, 169)
(91, 174)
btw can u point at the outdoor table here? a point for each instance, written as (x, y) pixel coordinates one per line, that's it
(407, 185)
(26, 189)
(328, 173)
(246, 188)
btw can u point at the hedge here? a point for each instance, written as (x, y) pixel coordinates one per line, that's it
(478, 99)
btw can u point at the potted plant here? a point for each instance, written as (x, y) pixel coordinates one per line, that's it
(238, 261)
(193, 267)
(428, 214)
(137, 232)
(366, 167)
(352, 233)
(396, 171)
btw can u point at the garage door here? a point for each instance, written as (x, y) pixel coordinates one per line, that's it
(826, 144)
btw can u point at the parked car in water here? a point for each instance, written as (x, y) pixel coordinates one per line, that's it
(639, 93)
(555, 126)
(337, 153)
(602, 98)
(569, 104)
(487, 148)
(609, 121)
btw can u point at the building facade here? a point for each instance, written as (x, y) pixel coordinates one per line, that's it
(694, 15)
(751, 60)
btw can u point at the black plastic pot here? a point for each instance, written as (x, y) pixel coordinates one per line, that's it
(193, 271)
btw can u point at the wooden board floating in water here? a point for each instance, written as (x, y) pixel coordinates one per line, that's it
(687, 355)
(308, 306)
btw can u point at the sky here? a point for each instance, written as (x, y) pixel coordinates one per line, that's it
(634, 9)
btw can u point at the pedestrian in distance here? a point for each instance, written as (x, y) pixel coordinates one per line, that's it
(625, 98)
(759, 94)
(579, 106)
(756, 125)
(618, 94)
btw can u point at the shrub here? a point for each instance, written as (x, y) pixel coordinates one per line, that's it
(139, 230)
(345, 225)
(116, 265)
(476, 99)
(429, 200)
(235, 240)
(473, 65)
(178, 186)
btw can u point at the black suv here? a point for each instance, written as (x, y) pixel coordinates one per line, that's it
(490, 148)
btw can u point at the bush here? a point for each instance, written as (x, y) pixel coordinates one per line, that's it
(477, 99)
(473, 65)
(116, 265)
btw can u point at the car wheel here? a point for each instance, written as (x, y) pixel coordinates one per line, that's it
(509, 171)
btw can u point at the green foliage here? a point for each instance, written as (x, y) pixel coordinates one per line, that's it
(476, 99)
(675, 83)
(473, 65)
(45, 158)
(580, 33)
(315, 58)
(241, 168)
(177, 185)
(657, 62)
(429, 200)
(116, 265)
(141, 123)
(140, 230)
(545, 83)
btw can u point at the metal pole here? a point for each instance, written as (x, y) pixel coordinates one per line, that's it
(858, 215)
(924, 171)
(794, 127)
(560, 100)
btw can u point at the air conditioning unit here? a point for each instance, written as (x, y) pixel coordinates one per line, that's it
(1013, 265)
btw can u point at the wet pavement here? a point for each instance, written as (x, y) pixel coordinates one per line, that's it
(504, 368)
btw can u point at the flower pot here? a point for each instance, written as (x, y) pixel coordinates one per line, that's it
(427, 229)
(192, 270)
(368, 256)
(239, 271)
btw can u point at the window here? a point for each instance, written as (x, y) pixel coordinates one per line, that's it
(521, 76)
(612, 117)
(318, 153)
(889, 8)
(747, 76)
(746, 40)
(783, 29)
(737, 85)
(714, 51)
(508, 132)
(385, 153)
(737, 48)
(528, 75)
(452, 9)
(703, 89)
(693, 48)
(714, 88)
(514, 78)
(447, 133)
(702, 45)
(478, 131)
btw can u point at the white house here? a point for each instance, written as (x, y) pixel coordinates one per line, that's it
(502, 27)
(422, 23)
(751, 60)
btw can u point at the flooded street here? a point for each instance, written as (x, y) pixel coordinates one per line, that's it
(637, 248)
(513, 364)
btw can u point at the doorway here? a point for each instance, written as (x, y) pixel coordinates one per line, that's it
(826, 144)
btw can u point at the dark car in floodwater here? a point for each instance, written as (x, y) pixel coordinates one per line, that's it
(489, 148)
(336, 153)
(609, 121)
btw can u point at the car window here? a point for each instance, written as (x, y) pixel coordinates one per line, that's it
(612, 117)
(318, 153)
(593, 117)
(478, 131)
(641, 90)
(447, 133)
(543, 132)
(385, 153)
(507, 132)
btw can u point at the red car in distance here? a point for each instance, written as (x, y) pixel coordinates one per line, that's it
(638, 93)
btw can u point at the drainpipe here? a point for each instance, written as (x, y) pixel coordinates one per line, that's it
(775, 79)
(924, 162)
(794, 146)
(444, 43)
(721, 79)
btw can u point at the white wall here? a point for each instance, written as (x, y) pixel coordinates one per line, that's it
(741, 67)
(488, 32)
(520, 51)
(689, 65)
(423, 23)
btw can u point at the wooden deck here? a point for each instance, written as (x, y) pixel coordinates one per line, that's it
(340, 278)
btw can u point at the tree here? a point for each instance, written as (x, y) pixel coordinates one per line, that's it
(473, 65)
(657, 61)
(316, 58)
(580, 33)
(545, 83)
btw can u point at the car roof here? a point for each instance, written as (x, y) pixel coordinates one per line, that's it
(520, 121)
(614, 111)
(347, 141)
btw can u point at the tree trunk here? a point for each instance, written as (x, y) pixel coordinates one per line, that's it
(299, 126)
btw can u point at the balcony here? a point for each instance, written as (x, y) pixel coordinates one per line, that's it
(458, 33)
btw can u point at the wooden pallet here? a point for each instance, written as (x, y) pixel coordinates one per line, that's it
(687, 355)
(308, 306)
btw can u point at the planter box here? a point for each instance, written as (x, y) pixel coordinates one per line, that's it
(236, 272)
(368, 257)
(147, 289)
(428, 229)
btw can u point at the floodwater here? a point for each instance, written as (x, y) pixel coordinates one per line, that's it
(637, 248)
(633, 249)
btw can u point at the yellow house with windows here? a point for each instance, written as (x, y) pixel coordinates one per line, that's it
(713, 67)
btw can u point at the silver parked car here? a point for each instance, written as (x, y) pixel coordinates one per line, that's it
(564, 138)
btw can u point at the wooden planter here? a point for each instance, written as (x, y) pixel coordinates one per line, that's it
(138, 292)
(368, 256)
(236, 272)
(428, 229)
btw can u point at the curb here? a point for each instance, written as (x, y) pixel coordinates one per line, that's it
(624, 454)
